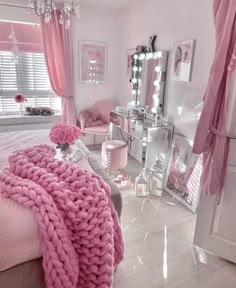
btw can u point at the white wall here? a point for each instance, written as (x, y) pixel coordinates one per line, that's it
(174, 20)
(103, 25)
(19, 14)
(97, 23)
(171, 20)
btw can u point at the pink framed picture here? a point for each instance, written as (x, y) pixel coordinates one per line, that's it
(92, 62)
(184, 173)
(182, 58)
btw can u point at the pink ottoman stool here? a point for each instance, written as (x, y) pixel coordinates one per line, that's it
(114, 155)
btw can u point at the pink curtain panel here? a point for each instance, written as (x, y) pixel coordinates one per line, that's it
(59, 55)
(211, 138)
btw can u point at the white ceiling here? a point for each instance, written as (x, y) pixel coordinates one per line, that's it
(111, 3)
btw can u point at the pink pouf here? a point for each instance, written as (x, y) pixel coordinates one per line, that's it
(114, 154)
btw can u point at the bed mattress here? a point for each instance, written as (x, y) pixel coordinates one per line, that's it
(19, 237)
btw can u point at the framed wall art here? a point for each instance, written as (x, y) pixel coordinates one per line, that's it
(92, 62)
(184, 173)
(182, 58)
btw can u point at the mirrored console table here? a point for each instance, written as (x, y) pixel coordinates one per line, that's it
(155, 136)
(143, 128)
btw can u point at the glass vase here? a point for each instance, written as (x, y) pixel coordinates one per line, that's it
(64, 151)
(21, 110)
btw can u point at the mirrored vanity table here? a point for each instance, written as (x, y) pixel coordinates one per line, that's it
(155, 137)
(144, 128)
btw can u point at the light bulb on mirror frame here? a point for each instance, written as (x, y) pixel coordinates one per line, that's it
(135, 56)
(150, 55)
(133, 92)
(158, 68)
(154, 110)
(142, 56)
(135, 68)
(134, 80)
(156, 83)
(155, 96)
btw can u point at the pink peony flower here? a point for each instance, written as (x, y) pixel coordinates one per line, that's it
(19, 98)
(64, 134)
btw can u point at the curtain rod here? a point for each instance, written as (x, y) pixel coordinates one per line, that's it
(15, 6)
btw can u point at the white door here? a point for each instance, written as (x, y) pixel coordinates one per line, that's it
(216, 225)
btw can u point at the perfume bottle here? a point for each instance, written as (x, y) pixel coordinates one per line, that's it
(141, 185)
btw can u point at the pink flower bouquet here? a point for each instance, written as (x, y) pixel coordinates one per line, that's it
(64, 135)
(19, 98)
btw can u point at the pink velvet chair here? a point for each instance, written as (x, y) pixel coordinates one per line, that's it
(95, 120)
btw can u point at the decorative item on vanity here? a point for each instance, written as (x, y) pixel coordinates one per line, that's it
(184, 173)
(44, 8)
(64, 136)
(182, 57)
(156, 178)
(151, 43)
(92, 59)
(20, 99)
(141, 185)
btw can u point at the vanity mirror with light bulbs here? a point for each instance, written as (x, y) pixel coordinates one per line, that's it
(148, 79)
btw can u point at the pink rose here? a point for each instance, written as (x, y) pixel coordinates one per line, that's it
(62, 133)
(19, 98)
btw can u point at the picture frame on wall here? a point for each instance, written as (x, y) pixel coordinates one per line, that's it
(182, 58)
(130, 53)
(184, 173)
(92, 62)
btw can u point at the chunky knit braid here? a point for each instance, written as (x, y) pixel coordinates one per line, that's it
(81, 236)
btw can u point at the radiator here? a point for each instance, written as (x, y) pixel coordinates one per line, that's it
(25, 127)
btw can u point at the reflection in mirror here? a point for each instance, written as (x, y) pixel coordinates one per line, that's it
(148, 79)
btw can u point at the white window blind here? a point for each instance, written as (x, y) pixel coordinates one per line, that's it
(25, 73)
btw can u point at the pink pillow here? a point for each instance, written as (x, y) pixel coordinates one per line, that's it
(94, 123)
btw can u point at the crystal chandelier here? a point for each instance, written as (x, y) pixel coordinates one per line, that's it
(45, 7)
(12, 37)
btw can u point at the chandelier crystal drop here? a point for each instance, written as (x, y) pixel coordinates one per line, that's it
(12, 38)
(46, 7)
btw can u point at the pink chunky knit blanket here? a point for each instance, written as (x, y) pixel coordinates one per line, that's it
(81, 237)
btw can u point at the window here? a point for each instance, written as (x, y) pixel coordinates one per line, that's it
(25, 73)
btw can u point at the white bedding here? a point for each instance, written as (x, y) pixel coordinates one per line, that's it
(19, 237)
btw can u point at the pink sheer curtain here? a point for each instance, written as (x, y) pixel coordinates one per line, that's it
(59, 55)
(211, 137)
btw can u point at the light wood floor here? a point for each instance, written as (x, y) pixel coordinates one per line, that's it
(158, 234)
